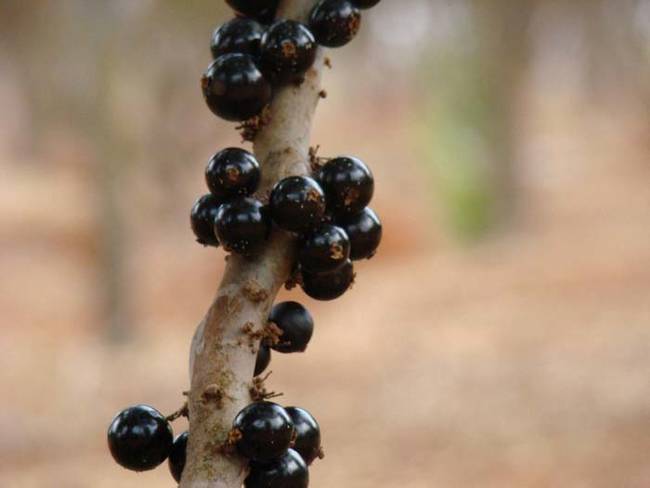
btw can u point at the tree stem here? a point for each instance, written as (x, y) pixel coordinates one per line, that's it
(222, 356)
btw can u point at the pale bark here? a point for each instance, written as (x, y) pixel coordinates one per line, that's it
(222, 359)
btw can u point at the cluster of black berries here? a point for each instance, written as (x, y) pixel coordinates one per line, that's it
(279, 442)
(254, 52)
(229, 215)
(328, 213)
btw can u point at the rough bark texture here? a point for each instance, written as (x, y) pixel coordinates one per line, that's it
(222, 359)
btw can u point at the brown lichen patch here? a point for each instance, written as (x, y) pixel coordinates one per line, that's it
(258, 391)
(232, 174)
(321, 453)
(249, 129)
(353, 25)
(270, 334)
(327, 62)
(336, 252)
(255, 292)
(213, 394)
(289, 49)
(322, 94)
(351, 196)
(294, 280)
(234, 436)
(314, 195)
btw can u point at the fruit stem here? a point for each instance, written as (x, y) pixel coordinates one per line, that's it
(221, 359)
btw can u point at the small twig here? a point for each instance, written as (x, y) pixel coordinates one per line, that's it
(181, 412)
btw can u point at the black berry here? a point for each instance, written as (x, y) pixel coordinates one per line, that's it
(324, 249)
(307, 433)
(263, 359)
(260, 9)
(140, 438)
(297, 203)
(177, 456)
(348, 184)
(296, 324)
(334, 23)
(328, 286)
(202, 216)
(234, 88)
(288, 471)
(365, 3)
(288, 50)
(242, 225)
(232, 172)
(238, 35)
(265, 431)
(364, 230)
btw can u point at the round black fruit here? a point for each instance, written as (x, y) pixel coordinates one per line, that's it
(263, 359)
(234, 88)
(324, 249)
(334, 23)
(364, 230)
(328, 286)
(297, 203)
(232, 172)
(177, 456)
(289, 471)
(265, 431)
(288, 50)
(365, 3)
(260, 9)
(238, 35)
(348, 184)
(204, 212)
(242, 225)
(296, 324)
(307, 433)
(140, 438)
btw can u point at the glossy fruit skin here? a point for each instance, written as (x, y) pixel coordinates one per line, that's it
(289, 471)
(364, 231)
(259, 9)
(307, 433)
(140, 438)
(348, 184)
(266, 431)
(288, 50)
(177, 456)
(234, 88)
(297, 326)
(297, 203)
(324, 249)
(232, 172)
(204, 212)
(363, 4)
(328, 286)
(242, 225)
(263, 359)
(334, 23)
(238, 35)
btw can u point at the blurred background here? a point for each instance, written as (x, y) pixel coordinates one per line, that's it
(501, 336)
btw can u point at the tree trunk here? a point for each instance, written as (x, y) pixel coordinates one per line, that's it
(222, 357)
